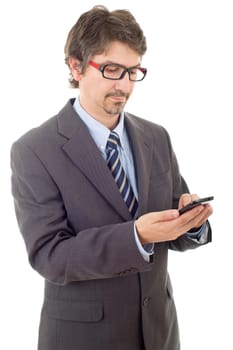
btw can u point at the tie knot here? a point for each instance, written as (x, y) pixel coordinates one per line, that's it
(113, 140)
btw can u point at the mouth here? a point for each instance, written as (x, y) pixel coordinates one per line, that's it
(120, 97)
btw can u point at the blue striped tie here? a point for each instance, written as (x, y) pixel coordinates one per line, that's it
(116, 168)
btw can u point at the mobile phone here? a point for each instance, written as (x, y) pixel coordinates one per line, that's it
(195, 203)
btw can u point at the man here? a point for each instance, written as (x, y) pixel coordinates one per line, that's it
(97, 192)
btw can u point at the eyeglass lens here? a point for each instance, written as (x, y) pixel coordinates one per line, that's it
(112, 71)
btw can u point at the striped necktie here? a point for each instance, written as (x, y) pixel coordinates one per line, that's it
(116, 168)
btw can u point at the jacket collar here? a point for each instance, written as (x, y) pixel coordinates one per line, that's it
(82, 151)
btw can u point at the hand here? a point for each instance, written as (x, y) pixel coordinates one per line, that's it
(187, 198)
(168, 225)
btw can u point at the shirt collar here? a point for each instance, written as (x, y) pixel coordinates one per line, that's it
(97, 130)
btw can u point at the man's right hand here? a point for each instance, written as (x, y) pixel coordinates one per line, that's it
(168, 225)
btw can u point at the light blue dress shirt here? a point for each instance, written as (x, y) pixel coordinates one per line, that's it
(100, 135)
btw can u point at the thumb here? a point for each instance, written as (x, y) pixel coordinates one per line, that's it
(166, 215)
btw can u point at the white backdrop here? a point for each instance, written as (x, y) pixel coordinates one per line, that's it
(188, 89)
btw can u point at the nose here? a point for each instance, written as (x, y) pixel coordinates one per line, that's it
(124, 84)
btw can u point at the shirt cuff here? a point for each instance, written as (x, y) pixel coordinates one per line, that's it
(200, 236)
(146, 250)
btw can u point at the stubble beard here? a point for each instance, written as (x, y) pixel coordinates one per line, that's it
(114, 108)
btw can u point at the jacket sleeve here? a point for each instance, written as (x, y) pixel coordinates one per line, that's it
(180, 186)
(57, 252)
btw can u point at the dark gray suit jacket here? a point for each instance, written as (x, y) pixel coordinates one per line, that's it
(100, 294)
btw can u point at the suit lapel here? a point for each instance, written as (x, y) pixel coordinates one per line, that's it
(82, 151)
(140, 141)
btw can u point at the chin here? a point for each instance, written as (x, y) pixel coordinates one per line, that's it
(117, 108)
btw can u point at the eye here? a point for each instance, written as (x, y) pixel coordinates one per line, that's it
(112, 69)
(134, 71)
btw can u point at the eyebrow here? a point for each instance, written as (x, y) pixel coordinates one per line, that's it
(118, 64)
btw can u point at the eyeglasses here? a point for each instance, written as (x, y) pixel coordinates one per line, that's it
(116, 71)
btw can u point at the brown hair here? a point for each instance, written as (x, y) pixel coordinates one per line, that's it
(96, 29)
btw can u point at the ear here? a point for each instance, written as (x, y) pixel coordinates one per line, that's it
(75, 68)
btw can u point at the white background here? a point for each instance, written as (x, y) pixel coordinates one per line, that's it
(188, 90)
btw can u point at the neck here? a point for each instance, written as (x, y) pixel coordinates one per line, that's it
(109, 120)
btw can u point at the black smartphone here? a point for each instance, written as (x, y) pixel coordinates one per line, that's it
(195, 203)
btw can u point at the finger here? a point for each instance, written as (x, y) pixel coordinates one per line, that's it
(185, 199)
(194, 197)
(164, 215)
(190, 218)
(195, 217)
(204, 215)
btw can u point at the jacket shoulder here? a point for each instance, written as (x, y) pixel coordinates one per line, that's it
(147, 126)
(46, 133)
(40, 132)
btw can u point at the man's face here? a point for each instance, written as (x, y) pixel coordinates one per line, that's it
(101, 97)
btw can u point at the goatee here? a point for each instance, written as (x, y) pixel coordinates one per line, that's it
(115, 107)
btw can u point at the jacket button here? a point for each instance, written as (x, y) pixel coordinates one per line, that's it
(146, 301)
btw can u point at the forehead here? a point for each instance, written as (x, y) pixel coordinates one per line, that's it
(120, 53)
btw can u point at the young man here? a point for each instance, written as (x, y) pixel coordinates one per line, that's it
(97, 192)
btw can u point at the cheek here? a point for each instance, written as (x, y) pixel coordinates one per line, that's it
(103, 88)
(96, 87)
(94, 90)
